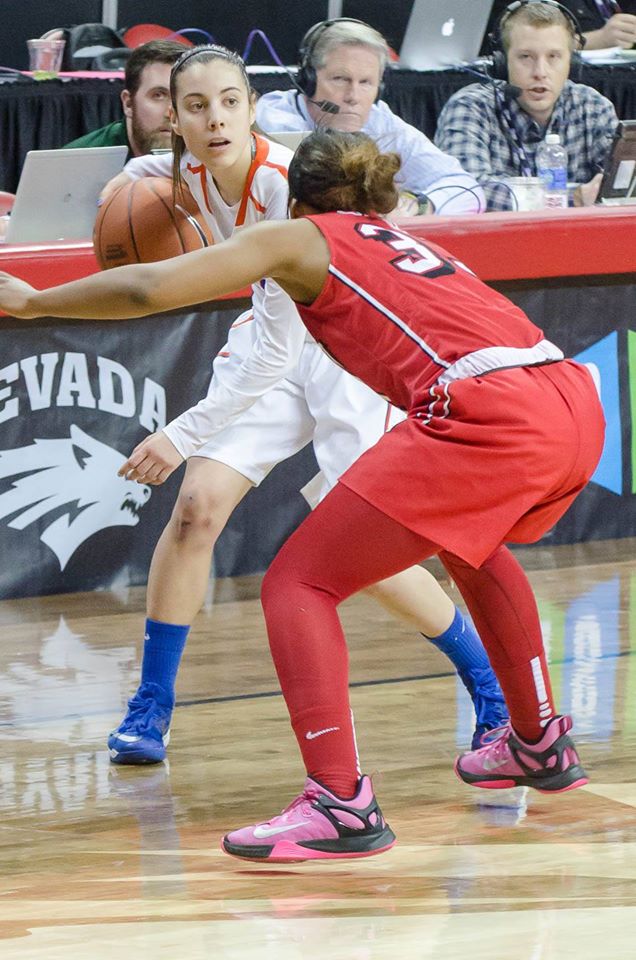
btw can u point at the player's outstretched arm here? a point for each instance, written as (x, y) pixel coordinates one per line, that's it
(292, 252)
(15, 296)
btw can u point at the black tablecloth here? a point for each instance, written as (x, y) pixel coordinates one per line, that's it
(36, 115)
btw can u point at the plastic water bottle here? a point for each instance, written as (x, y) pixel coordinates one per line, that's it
(552, 169)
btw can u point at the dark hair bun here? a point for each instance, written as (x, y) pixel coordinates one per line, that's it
(343, 171)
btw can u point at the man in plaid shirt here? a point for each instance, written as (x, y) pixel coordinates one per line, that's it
(494, 131)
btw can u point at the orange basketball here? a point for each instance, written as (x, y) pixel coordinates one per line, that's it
(140, 223)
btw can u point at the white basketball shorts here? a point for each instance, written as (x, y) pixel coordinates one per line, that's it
(318, 402)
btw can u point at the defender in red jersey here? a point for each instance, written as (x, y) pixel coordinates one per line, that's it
(501, 435)
(461, 359)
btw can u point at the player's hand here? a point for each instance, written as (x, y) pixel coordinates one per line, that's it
(152, 461)
(410, 205)
(407, 205)
(119, 181)
(619, 31)
(16, 297)
(586, 193)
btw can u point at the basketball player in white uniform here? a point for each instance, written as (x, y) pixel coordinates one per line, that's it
(274, 391)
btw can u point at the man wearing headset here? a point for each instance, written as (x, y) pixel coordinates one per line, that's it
(341, 66)
(494, 128)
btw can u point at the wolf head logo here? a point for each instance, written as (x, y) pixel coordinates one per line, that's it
(74, 478)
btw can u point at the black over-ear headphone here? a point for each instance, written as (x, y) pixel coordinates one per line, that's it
(306, 71)
(499, 69)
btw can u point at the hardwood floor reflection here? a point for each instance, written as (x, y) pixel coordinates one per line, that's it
(98, 860)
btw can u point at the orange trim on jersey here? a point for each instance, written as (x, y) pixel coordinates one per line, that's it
(259, 158)
(259, 206)
(223, 353)
(203, 176)
(239, 323)
(277, 166)
(387, 419)
(261, 152)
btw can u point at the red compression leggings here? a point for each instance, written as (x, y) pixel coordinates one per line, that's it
(343, 546)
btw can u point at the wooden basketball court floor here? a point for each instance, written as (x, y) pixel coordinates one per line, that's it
(100, 861)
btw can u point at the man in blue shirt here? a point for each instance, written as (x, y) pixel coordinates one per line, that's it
(342, 62)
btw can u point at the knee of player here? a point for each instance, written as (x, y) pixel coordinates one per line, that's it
(276, 582)
(270, 582)
(289, 583)
(198, 513)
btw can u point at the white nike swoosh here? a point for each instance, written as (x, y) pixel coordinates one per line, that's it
(310, 735)
(129, 738)
(494, 764)
(261, 833)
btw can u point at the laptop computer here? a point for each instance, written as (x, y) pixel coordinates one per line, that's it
(618, 185)
(58, 190)
(441, 33)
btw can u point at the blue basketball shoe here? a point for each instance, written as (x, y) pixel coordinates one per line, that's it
(488, 701)
(144, 733)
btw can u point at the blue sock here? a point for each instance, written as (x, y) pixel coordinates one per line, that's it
(462, 645)
(163, 646)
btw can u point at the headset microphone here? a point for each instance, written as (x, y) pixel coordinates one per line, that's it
(505, 92)
(509, 90)
(327, 106)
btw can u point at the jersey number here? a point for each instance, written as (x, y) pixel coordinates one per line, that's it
(414, 256)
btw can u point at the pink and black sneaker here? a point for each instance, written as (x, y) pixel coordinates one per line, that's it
(505, 760)
(317, 825)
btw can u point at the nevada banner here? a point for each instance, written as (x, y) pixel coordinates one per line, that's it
(75, 398)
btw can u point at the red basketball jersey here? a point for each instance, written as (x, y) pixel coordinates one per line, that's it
(402, 314)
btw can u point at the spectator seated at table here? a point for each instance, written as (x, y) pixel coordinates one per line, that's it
(341, 66)
(494, 129)
(145, 125)
(605, 23)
